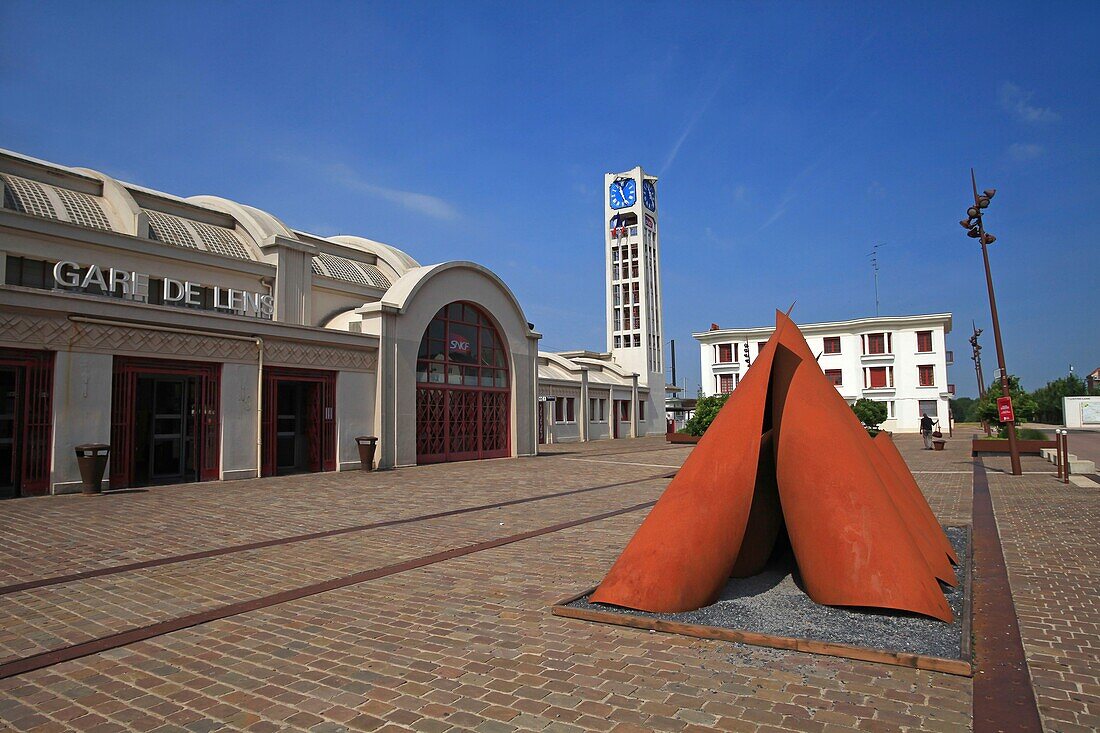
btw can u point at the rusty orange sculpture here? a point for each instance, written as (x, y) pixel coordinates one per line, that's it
(786, 452)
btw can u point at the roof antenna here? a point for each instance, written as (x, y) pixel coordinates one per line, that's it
(791, 309)
(874, 269)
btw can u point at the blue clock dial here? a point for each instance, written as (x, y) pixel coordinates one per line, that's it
(649, 195)
(622, 192)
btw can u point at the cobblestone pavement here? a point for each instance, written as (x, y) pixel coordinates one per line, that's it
(467, 643)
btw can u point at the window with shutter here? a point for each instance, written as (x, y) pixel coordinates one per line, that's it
(924, 341)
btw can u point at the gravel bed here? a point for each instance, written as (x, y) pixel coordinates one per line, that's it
(773, 603)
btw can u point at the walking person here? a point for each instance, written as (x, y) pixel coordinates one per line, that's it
(926, 430)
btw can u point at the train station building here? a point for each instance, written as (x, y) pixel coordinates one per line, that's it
(204, 339)
(620, 392)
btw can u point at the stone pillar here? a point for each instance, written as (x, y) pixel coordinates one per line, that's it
(293, 289)
(81, 412)
(634, 406)
(584, 416)
(385, 396)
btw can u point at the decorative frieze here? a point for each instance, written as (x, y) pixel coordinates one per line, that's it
(24, 330)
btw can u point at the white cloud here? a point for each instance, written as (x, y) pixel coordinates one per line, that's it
(420, 203)
(1018, 102)
(699, 111)
(1024, 151)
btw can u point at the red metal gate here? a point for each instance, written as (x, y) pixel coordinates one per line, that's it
(320, 417)
(34, 433)
(462, 395)
(206, 429)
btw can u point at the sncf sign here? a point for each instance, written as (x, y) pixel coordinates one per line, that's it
(1004, 409)
(459, 345)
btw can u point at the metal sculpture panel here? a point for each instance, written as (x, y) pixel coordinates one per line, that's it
(786, 453)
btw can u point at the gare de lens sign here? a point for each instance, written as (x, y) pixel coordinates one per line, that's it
(136, 286)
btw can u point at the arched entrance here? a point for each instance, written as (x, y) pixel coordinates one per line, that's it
(462, 388)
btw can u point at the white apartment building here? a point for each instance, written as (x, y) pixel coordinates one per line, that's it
(899, 360)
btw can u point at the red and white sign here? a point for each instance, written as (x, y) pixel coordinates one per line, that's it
(1004, 410)
(459, 345)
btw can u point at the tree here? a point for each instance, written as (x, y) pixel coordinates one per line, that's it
(706, 409)
(1023, 404)
(1048, 399)
(871, 413)
(962, 408)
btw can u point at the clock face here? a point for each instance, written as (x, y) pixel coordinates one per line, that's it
(649, 195)
(622, 192)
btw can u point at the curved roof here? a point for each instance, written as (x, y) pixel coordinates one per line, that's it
(602, 371)
(406, 287)
(204, 223)
(392, 256)
(259, 224)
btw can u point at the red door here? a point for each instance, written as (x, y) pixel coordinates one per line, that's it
(204, 431)
(317, 419)
(463, 388)
(28, 426)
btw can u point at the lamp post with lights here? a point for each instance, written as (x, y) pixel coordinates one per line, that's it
(975, 229)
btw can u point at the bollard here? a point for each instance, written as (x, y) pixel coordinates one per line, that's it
(1065, 453)
(1058, 453)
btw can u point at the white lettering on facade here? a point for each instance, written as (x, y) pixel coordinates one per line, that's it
(120, 281)
(191, 294)
(136, 286)
(94, 277)
(139, 286)
(173, 290)
(66, 273)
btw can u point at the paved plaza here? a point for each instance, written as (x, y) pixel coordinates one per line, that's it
(419, 599)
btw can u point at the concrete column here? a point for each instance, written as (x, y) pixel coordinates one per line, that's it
(355, 411)
(634, 406)
(530, 447)
(240, 400)
(81, 412)
(385, 397)
(584, 416)
(293, 289)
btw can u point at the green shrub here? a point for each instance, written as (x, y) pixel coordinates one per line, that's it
(871, 414)
(706, 409)
(1023, 405)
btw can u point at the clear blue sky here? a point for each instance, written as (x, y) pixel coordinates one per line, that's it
(789, 138)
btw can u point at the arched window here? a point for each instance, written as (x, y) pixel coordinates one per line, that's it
(461, 348)
(462, 391)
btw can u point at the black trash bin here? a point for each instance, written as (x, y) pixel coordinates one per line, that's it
(367, 445)
(92, 459)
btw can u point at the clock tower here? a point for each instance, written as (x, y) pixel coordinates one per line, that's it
(632, 250)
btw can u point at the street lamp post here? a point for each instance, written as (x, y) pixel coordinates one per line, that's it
(977, 357)
(976, 230)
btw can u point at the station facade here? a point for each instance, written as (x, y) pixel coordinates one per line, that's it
(899, 360)
(204, 339)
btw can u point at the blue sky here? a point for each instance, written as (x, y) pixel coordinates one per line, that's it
(789, 138)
